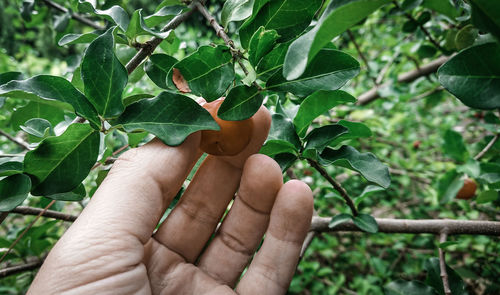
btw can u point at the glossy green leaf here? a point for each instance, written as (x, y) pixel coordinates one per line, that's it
(288, 17)
(138, 27)
(285, 160)
(339, 219)
(70, 39)
(60, 163)
(355, 130)
(367, 192)
(454, 146)
(157, 68)
(9, 76)
(319, 138)
(208, 71)
(364, 163)
(274, 146)
(483, 197)
(401, 287)
(10, 167)
(449, 185)
(104, 77)
(241, 103)
(473, 76)
(51, 88)
(261, 43)
(329, 70)
(135, 98)
(445, 7)
(14, 190)
(163, 15)
(36, 109)
(169, 116)
(486, 16)
(316, 104)
(457, 285)
(273, 61)
(115, 14)
(337, 17)
(466, 36)
(72, 196)
(37, 127)
(282, 129)
(366, 223)
(235, 10)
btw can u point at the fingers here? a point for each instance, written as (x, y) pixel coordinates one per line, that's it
(242, 230)
(137, 190)
(273, 266)
(194, 219)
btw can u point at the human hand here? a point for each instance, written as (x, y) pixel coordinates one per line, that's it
(111, 247)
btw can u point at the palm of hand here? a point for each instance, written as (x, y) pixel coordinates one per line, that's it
(111, 249)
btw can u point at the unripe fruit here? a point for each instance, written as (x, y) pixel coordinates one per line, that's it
(468, 190)
(232, 137)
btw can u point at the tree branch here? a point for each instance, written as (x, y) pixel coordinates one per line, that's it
(25, 210)
(360, 53)
(422, 226)
(487, 147)
(74, 16)
(150, 46)
(15, 140)
(219, 30)
(8, 271)
(442, 263)
(335, 185)
(407, 77)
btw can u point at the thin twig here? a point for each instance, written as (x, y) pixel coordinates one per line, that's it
(416, 226)
(26, 230)
(487, 147)
(150, 46)
(8, 271)
(219, 30)
(25, 210)
(335, 185)
(360, 53)
(111, 158)
(74, 16)
(442, 263)
(16, 140)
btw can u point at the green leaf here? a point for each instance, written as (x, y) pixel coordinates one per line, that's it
(316, 104)
(486, 16)
(285, 160)
(235, 10)
(366, 223)
(401, 287)
(449, 185)
(273, 61)
(59, 164)
(9, 76)
(484, 197)
(163, 15)
(329, 70)
(169, 116)
(473, 76)
(70, 39)
(355, 130)
(135, 98)
(241, 103)
(366, 164)
(208, 71)
(37, 127)
(36, 109)
(445, 7)
(9, 167)
(288, 17)
(282, 129)
(368, 191)
(138, 27)
(319, 138)
(273, 147)
(73, 196)
(104, 77)
(339, 219)
(337, 17)
(454, 146)
(434, 279)
(14, 190)
(157, 68)
(261, 43)
(466, 37)
(52, 88)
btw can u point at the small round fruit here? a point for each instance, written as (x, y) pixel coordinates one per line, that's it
(232, 137)
(468, 190)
